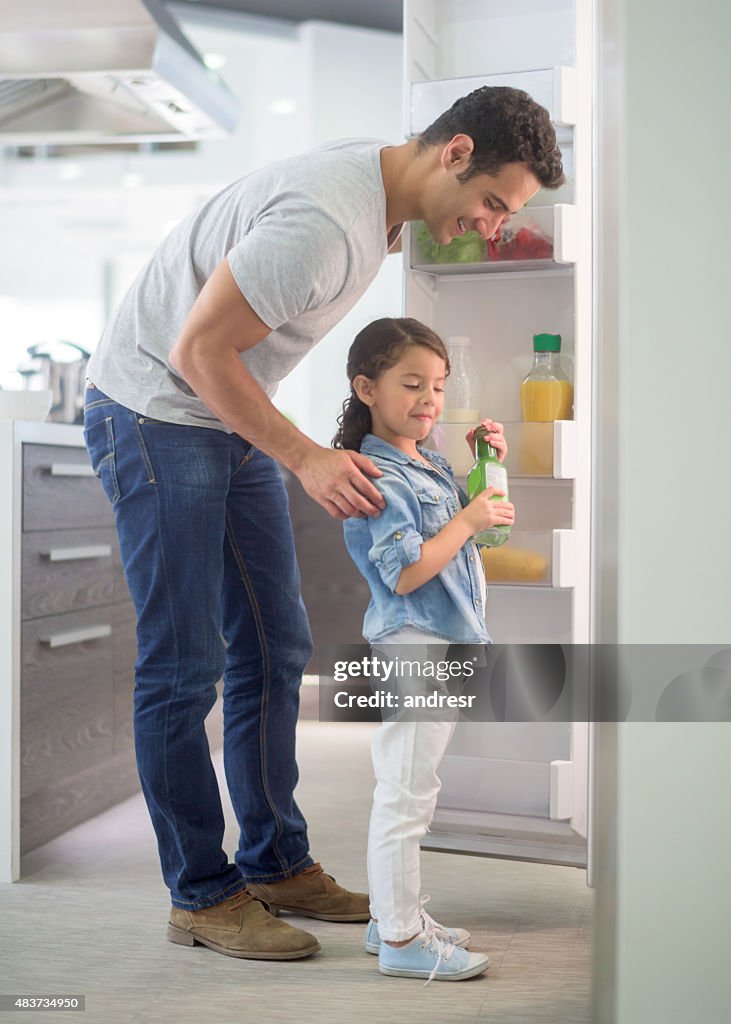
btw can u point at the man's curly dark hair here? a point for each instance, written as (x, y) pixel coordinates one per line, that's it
(507, 126)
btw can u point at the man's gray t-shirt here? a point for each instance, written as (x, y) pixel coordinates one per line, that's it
(304, 237)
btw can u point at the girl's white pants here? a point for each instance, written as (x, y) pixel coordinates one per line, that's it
(406, 756)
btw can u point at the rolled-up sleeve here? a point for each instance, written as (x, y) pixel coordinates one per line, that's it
(396, 533)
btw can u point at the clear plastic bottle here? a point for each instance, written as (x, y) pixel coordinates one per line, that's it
(461, 406)
(546, 392)
(462, 388)
(488, 472)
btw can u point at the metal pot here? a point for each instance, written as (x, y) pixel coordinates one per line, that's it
(65, 380)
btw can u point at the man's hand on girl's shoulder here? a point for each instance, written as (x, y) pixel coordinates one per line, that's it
(338, 480)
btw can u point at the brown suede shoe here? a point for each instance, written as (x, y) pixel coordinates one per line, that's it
(240, 926)
(312, 893)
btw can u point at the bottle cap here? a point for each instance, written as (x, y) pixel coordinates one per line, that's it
(546, 342)
(457, 341)
(482, 441)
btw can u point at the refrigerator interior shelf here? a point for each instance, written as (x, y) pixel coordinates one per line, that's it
(536, 238)
(524, 268)
(535, 558)
(553, 88)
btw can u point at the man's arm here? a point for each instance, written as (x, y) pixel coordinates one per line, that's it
(220, 326)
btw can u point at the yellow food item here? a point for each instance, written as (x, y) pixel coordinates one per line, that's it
(535, 451)
(508, 564)
(544, 400)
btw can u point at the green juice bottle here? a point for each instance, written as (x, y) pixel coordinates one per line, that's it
(488, 472)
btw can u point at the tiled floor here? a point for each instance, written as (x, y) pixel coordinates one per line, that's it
(89, 917)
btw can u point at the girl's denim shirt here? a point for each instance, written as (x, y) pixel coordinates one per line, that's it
(420, 500)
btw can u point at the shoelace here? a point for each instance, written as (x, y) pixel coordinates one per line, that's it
(430, 925)
(442, 948)
(317, 869)
(240, 899)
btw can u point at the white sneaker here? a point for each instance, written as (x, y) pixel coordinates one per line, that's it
(456, 936)
(428, 957)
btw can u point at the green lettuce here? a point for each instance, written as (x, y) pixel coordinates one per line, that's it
(466, 248)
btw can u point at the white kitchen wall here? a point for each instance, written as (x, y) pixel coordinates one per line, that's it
(352, 88)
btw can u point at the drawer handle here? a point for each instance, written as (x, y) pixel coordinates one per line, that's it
(77, 636)
(69, 554)
(71, 469)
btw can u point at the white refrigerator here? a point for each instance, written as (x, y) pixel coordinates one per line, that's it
(520, 790)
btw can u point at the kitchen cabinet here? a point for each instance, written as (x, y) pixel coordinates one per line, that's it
(510, 789)
(67, 642)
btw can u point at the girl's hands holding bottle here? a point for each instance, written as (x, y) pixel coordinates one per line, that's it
(483, 511)
(497, 438)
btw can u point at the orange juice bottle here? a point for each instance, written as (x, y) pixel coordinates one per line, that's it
(546, 393)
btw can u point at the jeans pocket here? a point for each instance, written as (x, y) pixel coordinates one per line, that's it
(99, 439)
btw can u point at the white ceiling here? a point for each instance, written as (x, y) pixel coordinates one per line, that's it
(384, 14)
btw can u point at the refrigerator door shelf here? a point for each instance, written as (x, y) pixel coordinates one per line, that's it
(534, 558)
(553, 88)
(536, 238)
(564, 558)
(561, 805)
(538, 452)
(541, 451)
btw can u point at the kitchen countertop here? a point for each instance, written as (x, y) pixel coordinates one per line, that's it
(33, 432)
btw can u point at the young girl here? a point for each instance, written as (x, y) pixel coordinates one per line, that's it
(427, 589)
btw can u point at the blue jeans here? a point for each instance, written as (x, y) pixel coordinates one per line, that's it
(206, 544)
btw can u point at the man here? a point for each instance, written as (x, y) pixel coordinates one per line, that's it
(182, 431)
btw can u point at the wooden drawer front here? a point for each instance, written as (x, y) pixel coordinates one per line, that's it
(60, 491)
(66, 570)
(59, 806)
(66, 696)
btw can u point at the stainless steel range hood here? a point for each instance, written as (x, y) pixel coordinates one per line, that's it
(88, 71)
